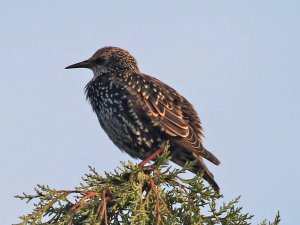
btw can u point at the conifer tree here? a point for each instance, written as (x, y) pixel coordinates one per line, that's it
(134, 195)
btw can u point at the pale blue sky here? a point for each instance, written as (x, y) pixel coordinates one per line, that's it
(236, 61)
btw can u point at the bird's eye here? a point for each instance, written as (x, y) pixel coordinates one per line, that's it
(99, 60)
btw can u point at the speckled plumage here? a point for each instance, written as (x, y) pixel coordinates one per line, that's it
(140, 114)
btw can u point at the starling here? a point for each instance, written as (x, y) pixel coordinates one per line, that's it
(140, 113)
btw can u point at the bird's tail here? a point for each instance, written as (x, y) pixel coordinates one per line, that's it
(207, 175)
(212, 182)
(199, 167)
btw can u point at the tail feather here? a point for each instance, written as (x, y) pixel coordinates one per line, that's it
(208, 176)
(181, 157)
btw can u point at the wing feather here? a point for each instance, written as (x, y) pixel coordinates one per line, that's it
(175, 116)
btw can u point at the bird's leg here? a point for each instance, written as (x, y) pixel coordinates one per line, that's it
(152, 156)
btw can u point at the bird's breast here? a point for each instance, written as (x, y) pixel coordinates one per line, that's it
(122, 117)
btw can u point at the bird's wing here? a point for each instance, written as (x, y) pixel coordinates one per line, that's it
(175, 116)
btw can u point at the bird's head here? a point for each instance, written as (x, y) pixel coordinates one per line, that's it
(108, 60)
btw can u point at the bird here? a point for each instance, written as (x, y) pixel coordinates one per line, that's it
(141, 114)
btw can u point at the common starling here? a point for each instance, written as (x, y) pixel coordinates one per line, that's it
(140, 114)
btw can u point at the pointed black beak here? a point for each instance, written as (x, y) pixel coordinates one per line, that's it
(84, 64)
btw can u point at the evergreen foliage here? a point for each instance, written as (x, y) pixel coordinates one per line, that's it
(138, 196)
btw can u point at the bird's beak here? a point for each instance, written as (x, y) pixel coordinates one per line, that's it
(83, 64)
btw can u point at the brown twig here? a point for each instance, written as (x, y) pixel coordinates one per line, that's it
(102, 209)
(77, 205)
(157, 205)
